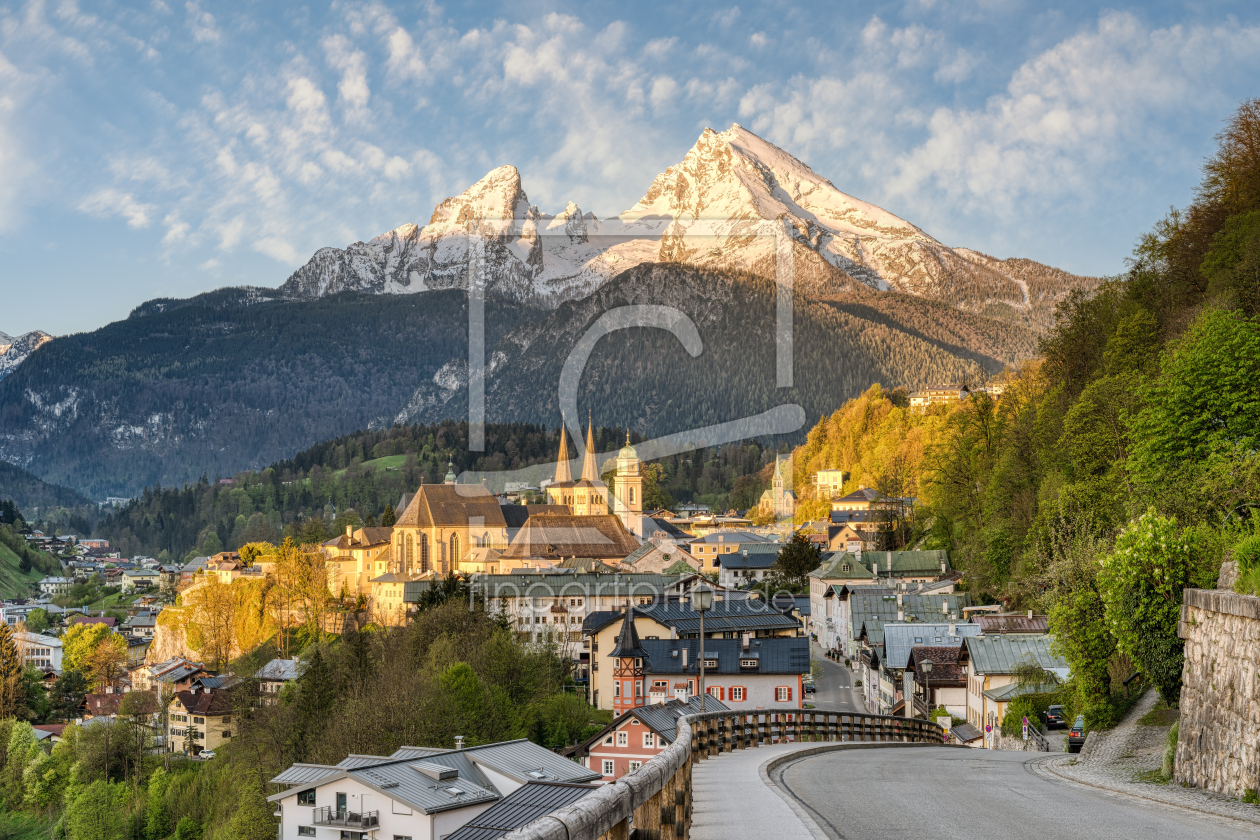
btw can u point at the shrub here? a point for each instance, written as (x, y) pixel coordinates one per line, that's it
(1246, 553)
(1170, 752)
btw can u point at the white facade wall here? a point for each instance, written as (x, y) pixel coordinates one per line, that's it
(396, 818)
(759, 689)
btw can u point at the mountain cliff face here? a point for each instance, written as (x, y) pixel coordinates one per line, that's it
(13, 351)
(728, 204)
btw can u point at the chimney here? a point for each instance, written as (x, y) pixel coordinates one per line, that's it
(745, 637)
(684, 659)
(953, 631)
(898, 599)
(920, 586)
(673, 632)
(1030, 613)
(349, 531)
(901, 614)
(459, 742)
(942, 567)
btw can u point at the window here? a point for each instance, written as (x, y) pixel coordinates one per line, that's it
(638, 688)
(306, 831)
(608, 740)
(737, 693)
(634, 765)
(649, 740)
(715, 691)
(623, 739)
(199, 720)
(402, 837)
(783, 694)
(710, 663)
(608, 767)
(748, 663)
(617, 688)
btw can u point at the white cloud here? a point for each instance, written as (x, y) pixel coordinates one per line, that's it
(353, 89)
(107, 201)
(201, 24)
(758, 40)
(404, 59)
(663, 90)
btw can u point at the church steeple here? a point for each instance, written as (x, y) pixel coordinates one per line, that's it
(563, 472)
(589, 470)
(628, 668)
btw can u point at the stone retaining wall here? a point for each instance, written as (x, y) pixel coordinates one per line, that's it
(1218, 746)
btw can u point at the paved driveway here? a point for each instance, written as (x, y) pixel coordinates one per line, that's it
(960, 794)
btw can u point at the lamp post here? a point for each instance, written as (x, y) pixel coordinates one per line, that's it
(927, 682)
(702, 602)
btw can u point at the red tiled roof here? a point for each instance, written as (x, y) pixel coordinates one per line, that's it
(205, 702)
(98, 705)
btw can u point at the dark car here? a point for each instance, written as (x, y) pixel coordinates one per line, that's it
(1055, 717)
(1076, 735)
(809, 688)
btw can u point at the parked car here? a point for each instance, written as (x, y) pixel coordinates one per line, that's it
(1055, 717)
(206, 755)
(809, 688)
(1076, 735)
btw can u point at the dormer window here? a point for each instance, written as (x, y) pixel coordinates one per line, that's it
(748, 663)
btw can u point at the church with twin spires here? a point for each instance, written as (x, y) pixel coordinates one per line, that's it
(590, 496)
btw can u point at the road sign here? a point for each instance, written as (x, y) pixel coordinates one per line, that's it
(1025, 732)
(988, 727)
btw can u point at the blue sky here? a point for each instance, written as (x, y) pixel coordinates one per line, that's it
(161, 149)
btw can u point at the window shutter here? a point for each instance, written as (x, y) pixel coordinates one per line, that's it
(789, 694)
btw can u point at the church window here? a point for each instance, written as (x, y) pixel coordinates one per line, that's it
(411, 554)
(424, 552)
(454, 549)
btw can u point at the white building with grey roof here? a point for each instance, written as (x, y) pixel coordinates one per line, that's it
(418, 792)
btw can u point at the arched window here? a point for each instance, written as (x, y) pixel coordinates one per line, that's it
(631, 495)
(485, 539)
(424, 552)
(455, 555)
(411, 555)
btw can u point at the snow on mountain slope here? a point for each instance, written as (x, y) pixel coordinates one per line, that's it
(13, 351)
(710, 209)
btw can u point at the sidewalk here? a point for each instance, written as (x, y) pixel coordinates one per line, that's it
(1117, 760)
(733, 799)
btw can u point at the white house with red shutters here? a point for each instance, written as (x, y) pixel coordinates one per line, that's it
(635, 737)
(744, 673)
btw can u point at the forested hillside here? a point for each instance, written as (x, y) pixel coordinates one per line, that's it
(1118, 469)
(225, 381)
(29, 492)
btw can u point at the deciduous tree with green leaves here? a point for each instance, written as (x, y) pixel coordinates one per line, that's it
(1141, 584)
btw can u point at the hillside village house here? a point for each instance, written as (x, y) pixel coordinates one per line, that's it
(938, 393)
(199, 719)
(945, 682)
(828, 483)
(273, 677)
(842, 571)
(177, 673)
(356, 557)
(637, 736)
(416, 792)
(39, 651)
(750, 565)
(51, 587)
(991, 662)
(133, 579)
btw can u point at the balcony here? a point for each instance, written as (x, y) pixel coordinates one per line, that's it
(342, 818)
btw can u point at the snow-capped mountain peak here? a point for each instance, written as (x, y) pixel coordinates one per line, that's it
(708, 209)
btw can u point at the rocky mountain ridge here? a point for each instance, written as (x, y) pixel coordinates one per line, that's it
(730, 203)
(13, 351)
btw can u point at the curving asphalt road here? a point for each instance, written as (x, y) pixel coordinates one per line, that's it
(835, 687)
(961, 794)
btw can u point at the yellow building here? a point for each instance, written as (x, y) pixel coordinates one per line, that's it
(200, 719)
(829, 483)
(355, 557)
(440, 525)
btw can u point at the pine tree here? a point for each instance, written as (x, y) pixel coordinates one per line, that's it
(157, 821)
(388, 518)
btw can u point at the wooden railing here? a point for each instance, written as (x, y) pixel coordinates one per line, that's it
(655, 801)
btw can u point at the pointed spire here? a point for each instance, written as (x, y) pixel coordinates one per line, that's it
(589, 471)
(563, 472)
(628, 638)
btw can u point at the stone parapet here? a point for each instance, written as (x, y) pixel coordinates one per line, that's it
(1218, 746)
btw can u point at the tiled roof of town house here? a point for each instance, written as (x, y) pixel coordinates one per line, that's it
(732, 537)
(205, 702)
(548, 510)
(844, 517)
(279, 669)
(98, 705)
(446, 505)
(754, 560)
(514, 516)
(862, 494)
(559, 536)
(661, 718)
(298, 774)
(773, 655)
(1019, 623)
(946, 664)
(725, 616)
(1013, 690)
(569, 584)
(585, 564)
(899, 639)
(833, 566)
(1001, 654)
(524, 805)
(882, 604)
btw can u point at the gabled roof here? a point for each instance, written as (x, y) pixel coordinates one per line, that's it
(947, 666)
(524, 805)
(833, 567)
(862, 494)
(445, 505)
(1019, 623)
(213, 701)
(1000, 654)
(899, 639)
(725, 537)
(1013, 690)
(515, 515)
(753, 561)
(662, 718)
(881, 604)
(557, 536)
(280, 670)
(728, 615)
(299, 774)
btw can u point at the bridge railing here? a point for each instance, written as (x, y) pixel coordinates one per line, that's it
(655, 801)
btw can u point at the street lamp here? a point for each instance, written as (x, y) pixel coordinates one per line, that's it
(702, 602)
(927, 681)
